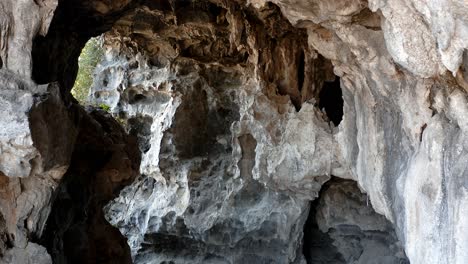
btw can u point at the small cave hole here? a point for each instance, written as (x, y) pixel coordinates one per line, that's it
(342, 227)
(136, 98)
(156, 62)
(140, 127)
(318, 246)
(10, 240)
(331, 99)
(90, 56)
(105, 82)
(133, 65)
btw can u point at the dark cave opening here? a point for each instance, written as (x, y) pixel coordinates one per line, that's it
(331, 99)
(76, 230)
(103, 159)
(318, 246)
(342, 227)
(301, 71)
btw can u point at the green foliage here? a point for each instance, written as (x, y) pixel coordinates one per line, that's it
(104, 107)
(89, 58)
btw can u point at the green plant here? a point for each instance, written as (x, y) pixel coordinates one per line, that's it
(105, 107)
(87, 62)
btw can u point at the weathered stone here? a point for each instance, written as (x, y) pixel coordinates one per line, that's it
(376, 142)
(36, 144)
(38, 131)
(236, 130)
(104, 160)
(355, 232)
(20, 22)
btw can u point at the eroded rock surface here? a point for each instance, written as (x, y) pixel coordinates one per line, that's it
(363, 236)
(295, 148)
(223, 147)
(236, 131)
(40, 130)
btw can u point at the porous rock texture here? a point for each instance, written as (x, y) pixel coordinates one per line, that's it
(224, 173)
(46, 139)
(362, 236)
(226, 102)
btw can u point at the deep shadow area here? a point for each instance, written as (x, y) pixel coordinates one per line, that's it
(104, 160)
(342, 227)
(331, 99)
(318, 246)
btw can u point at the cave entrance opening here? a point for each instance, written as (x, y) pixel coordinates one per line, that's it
(318, 246)
(331, 100)
(343, 227)
(90, 56)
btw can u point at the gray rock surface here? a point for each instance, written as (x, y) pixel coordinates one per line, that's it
(31, 254)
(21, 21)
(224, 162)
(38, 131)
(356, 233)
(392, 113)
(28, 173)
(225, 99)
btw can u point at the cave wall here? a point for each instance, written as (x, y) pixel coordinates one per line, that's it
(383, 141)
(222, 173)
(27, 176)
(223, 100)
(343, 228)
(44, 135)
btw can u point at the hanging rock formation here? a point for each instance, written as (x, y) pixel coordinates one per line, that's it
(227, 121)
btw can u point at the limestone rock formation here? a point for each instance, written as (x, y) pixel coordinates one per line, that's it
(227, 121)
(363, 236)
(41, 132)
